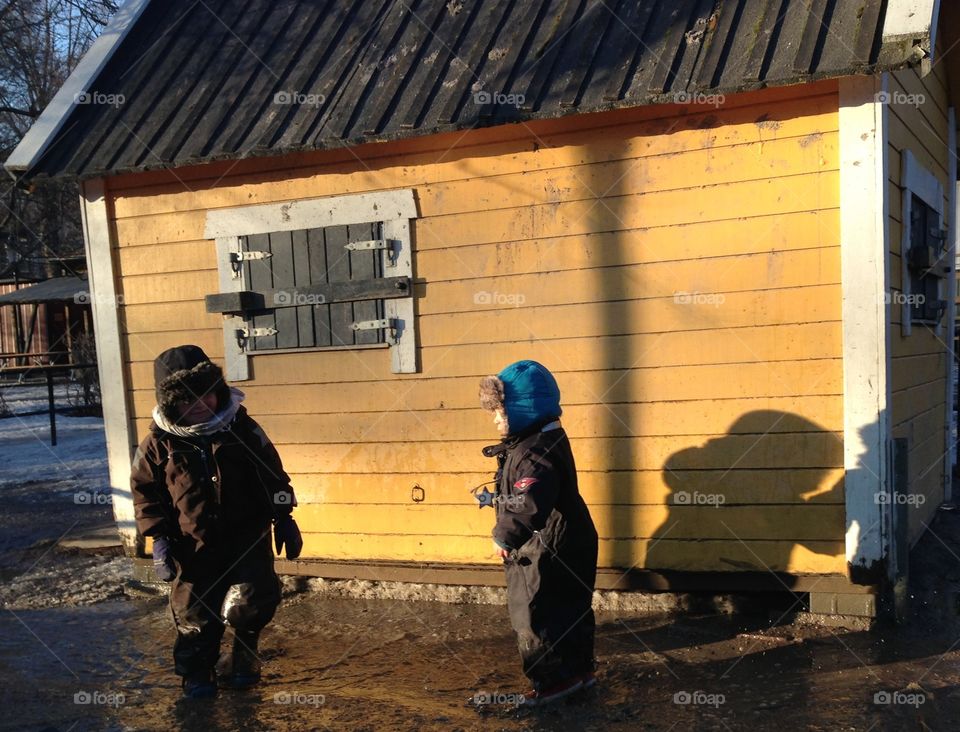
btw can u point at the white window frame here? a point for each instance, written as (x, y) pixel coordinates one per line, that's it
(394, 209)
(916, 180)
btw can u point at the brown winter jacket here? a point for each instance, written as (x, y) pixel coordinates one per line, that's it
(220, 491)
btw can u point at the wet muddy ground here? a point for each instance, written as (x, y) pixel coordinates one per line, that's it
(77, 653)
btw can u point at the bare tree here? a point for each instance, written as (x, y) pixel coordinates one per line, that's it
(41, 42)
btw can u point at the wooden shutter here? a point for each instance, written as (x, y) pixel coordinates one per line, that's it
(308, 257)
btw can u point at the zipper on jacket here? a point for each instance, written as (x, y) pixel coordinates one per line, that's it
(208, 475)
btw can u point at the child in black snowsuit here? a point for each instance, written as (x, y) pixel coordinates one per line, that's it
(207, 483)
(544, 532)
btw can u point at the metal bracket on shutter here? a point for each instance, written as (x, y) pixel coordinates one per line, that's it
(387, 324)
(245, 334)
(937, 233)
(387, 245)
(238, 258)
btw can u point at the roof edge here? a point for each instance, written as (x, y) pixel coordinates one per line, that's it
(41, 133)
(324, 144)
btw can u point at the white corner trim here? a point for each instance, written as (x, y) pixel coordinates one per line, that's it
(865, 276)
(914, 20)
(51, 120)
(310, 213)
(113, 384)
(951, 315)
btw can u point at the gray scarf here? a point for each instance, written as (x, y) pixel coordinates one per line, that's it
(218, 423)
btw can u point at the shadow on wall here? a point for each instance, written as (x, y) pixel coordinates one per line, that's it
(758, 498)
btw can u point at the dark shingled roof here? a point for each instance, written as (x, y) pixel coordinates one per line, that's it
(227, 79)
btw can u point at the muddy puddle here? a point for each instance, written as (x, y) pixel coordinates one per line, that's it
(79, 653)
(334, 663)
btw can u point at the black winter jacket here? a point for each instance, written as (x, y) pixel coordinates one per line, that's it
(537, 492)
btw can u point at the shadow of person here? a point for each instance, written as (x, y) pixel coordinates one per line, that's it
(766, 498)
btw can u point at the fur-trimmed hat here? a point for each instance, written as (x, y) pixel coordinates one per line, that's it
(184, 374)
(526, 392)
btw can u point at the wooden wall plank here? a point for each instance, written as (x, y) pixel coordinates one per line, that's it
(695, 240)
(577, 214)
(599, 488)
(813, 557)
(697, 417)
(768, 452)
(745, 380)
(726, 346)
(815, 522)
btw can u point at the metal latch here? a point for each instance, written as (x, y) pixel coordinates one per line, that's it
(937, 233)
(387, 324)
(245, 334)
(386, 245)
(238, 258)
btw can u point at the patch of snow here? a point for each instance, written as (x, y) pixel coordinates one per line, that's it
(56, 582)
(80, 455)
(29, 398)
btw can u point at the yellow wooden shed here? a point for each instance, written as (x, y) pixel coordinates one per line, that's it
(727, 226)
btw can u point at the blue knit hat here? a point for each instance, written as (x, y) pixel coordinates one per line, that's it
(529, 395)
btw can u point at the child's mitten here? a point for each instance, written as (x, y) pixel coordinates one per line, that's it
(163, 564)
(287, 533)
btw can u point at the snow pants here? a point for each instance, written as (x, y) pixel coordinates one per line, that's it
(214, 588)
(550, 603)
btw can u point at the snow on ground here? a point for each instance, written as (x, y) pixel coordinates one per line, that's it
(32, 397)
(56, 580)
(49, 493)
(79, 459)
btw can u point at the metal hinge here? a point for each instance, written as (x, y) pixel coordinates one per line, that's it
(387, 324)
(238, 258)
(386, 245)
(245, 334)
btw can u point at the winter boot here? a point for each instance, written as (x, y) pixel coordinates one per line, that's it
(199, 685)
(240, 668)
(542, 696)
